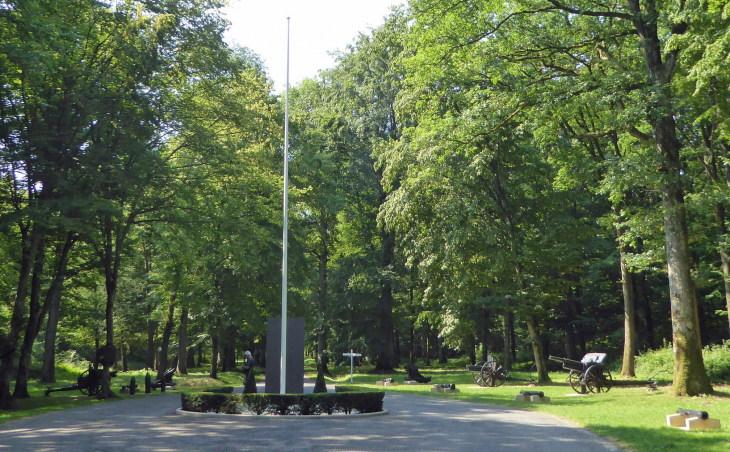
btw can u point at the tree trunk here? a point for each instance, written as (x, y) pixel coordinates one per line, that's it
(508, 337)
(125, 366)
(183, 343)
(442, 350)
(214, 356)
(385, 356)
(322, 293)
(690, 377)
(151, 330)
(30, 246)
(627, 284)
(190, 358)
(413, 344)
(167, 332)
(643, 299)
(48, 373)
(724, 259)
(426, 334)
(38, 312)
(533, 327)
(33, 326)
(485, 334)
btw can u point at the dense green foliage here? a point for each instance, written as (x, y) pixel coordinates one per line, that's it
(471, 179)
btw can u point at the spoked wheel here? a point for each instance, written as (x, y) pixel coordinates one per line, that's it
(574, 378)
(477, 376)
(89, 386)
(493, 374)
(598, 379)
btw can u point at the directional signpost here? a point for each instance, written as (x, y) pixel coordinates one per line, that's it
(352, 361)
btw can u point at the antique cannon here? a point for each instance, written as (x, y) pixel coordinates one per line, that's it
(587, 374)
(487, 373)
(415, 375)
(166, 380)
(89, 383)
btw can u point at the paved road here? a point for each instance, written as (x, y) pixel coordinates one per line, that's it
(414, 424)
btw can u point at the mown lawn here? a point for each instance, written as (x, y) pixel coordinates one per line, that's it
(632, 417)
(38, 403)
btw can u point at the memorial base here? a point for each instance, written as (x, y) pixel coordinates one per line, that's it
(692, 423)
(446, 390)
(534, 399)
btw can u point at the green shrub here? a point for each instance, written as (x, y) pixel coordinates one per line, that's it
(716, 358)
(717, 362)
(208, 403)
(284, 404)
(218, 389)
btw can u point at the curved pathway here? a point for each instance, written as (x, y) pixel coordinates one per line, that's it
(414, 424)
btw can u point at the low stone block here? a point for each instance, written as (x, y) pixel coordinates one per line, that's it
(695, 423)
(521, 398)
(411, 382)
(676, 420)
(446, 390)
(539, 399)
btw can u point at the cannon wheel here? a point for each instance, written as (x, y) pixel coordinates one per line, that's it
(492, 374)
(574, 378)
(477, 376)
(598, 379)
(93, 387)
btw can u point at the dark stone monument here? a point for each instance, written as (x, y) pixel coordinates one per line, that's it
(294, 355)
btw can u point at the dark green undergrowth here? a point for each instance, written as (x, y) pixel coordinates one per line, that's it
(285, 404)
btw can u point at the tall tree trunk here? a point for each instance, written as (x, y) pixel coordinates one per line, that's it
(167, 332)
(442, 350)
(214, 356)
(508, 344)
(190, 358)
(183, 343)
(413, 344)
(151, 330)
(322, 292)
(29, 245)
(38, 311)
(426, 335)
(690, 377)
(533, 327)
(385, 311)
(485, 334)
(627, 284)
(645, 303)
(32, 327)
(125, 366)
(48, 372)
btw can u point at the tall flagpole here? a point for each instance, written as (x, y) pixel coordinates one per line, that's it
(282, 380)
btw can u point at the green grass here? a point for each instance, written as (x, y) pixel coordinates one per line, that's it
(632, 417)
(38, 403)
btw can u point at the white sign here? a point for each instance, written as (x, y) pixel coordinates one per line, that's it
(352, 357)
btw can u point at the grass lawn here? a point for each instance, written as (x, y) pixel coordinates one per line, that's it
(38, 403)
(633, 417)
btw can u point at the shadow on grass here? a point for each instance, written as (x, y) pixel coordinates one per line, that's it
(665, 438)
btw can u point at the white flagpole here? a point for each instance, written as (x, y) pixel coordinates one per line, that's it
(282, 380)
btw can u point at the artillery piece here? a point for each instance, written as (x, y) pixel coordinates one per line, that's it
(89, 383)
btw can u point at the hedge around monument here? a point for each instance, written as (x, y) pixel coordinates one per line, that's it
(284, 404)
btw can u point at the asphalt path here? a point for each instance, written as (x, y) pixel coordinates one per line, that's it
(413, 424)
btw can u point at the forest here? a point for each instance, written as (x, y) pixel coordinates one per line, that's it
(471, 178)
